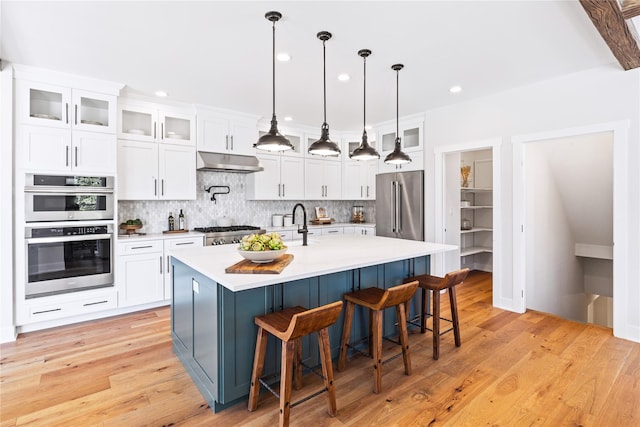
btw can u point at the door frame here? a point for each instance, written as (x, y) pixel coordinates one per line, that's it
(495, 145)
(621, 176)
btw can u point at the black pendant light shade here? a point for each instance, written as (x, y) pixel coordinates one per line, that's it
(324, 146)
(364, 150)
(273, 140)
(397, 157)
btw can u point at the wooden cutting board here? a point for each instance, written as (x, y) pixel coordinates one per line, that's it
(247, 267)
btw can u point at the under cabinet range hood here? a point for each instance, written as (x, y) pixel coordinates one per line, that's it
(224, 162)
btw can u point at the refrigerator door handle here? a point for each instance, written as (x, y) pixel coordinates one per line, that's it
(394, 202)
(399, 207)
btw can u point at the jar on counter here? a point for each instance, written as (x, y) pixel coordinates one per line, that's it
(287, 220)
(277, 220)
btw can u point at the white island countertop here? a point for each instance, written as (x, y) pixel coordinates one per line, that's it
(324, 255)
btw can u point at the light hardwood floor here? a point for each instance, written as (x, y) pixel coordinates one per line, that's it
(512, 369)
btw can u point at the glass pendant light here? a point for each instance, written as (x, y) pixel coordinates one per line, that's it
(364, 150)
(273, 140)
(324, 146)
(397, 157)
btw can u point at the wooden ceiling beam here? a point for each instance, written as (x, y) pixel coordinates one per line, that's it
(630, 9)
(621, 37)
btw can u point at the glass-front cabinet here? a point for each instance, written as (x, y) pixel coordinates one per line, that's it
(410, 133)
(155, 123)
(43, 104)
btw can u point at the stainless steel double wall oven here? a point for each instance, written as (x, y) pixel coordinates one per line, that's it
(69, 233)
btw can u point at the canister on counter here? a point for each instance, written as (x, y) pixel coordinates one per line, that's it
(277, 220)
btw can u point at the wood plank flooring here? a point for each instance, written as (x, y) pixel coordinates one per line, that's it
(512, 370)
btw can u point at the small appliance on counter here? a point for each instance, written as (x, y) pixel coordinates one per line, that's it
(357, 214)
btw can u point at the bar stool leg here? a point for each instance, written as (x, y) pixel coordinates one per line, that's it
(346, 335)
(258, 364)
(436, 324)
(297, 365)
(454, 315)
(377, 350)
(327, 370)
(423, 312)
(404, 337)
(286, 376)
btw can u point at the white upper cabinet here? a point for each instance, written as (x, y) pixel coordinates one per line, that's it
(221, 133)
(150, 171)
(144, 121)
(359, 180)
(295, 137)
(281, 179)
(411, 136)
(323, 179)
(43, 104)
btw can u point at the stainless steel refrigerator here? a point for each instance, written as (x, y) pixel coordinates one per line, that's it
(400, 205)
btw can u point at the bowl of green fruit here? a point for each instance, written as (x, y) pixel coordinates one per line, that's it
(131, 225)
(262, 248)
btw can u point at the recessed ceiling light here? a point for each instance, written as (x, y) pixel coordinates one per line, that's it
(344, 77)
(288, 118)
(161, 93)
(455, 89)
(284, 57)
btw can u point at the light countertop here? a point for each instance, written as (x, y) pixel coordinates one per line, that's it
(294, 227)
(324, 255)
(158, 236)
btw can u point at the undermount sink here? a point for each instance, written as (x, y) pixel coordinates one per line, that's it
(299, 242)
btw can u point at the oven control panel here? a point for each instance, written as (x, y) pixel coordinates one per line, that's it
(67, 231)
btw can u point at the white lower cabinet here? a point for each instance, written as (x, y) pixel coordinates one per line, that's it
(143, 268)
(73, 304)
(139, 272)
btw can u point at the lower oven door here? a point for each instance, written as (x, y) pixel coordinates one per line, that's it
(66, 264)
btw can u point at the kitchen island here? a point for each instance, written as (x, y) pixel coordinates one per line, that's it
(213, 312)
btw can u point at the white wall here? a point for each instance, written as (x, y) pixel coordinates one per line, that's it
(596, 96)
(554, 277)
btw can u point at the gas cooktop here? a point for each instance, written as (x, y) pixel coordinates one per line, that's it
(226, 235)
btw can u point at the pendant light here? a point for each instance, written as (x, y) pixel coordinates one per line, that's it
(397, 157)
(324, 146)
(364, 150)
(273, 140)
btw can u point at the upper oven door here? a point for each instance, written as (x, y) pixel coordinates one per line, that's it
(65, 183)
(65, 206)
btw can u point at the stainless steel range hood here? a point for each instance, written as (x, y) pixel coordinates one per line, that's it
(222, 162)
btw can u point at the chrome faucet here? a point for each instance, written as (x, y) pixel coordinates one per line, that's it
(304, 230)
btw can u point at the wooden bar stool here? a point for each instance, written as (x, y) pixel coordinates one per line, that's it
(290, 325)
(376, 300)
(434, 285)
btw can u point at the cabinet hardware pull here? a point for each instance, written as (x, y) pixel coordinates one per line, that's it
(95, 303)
(361, 191)
(168, 264)
(142, 247)
(162, 131)
(160, 264)
(66, 156)
(183, 243)
(66, 112)
(154, 130)
(226, 142)
(76, 156)
(162, 185)
(47, 311)
(282, 190)
(367, 191)
(279, 194)
(155, 186)
(76, 115)
(231, 142)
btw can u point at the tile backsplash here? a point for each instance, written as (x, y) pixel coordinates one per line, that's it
(204, 212)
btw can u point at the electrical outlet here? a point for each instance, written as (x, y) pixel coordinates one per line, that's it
(195, 285)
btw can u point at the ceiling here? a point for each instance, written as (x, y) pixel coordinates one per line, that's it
(218, 53)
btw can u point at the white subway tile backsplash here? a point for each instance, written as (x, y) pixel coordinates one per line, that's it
(204, 212)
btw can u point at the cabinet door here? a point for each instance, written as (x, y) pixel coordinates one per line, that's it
(137, 122)
(265, 185)
(177, 171)
(138, 170)
(243, 136)
(205, 337)
(44, 148)
(213, 134)
(42, 104)
(352, 188)
(314, 179)
(182, 305)
(333, 180)
(94, 112)
(292, 178)
(93, 153)
(177, 128)
(141, 278)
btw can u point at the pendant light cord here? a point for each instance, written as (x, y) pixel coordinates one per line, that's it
(324, 78)
(273, 69)
(397, 104)
(365, 94)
